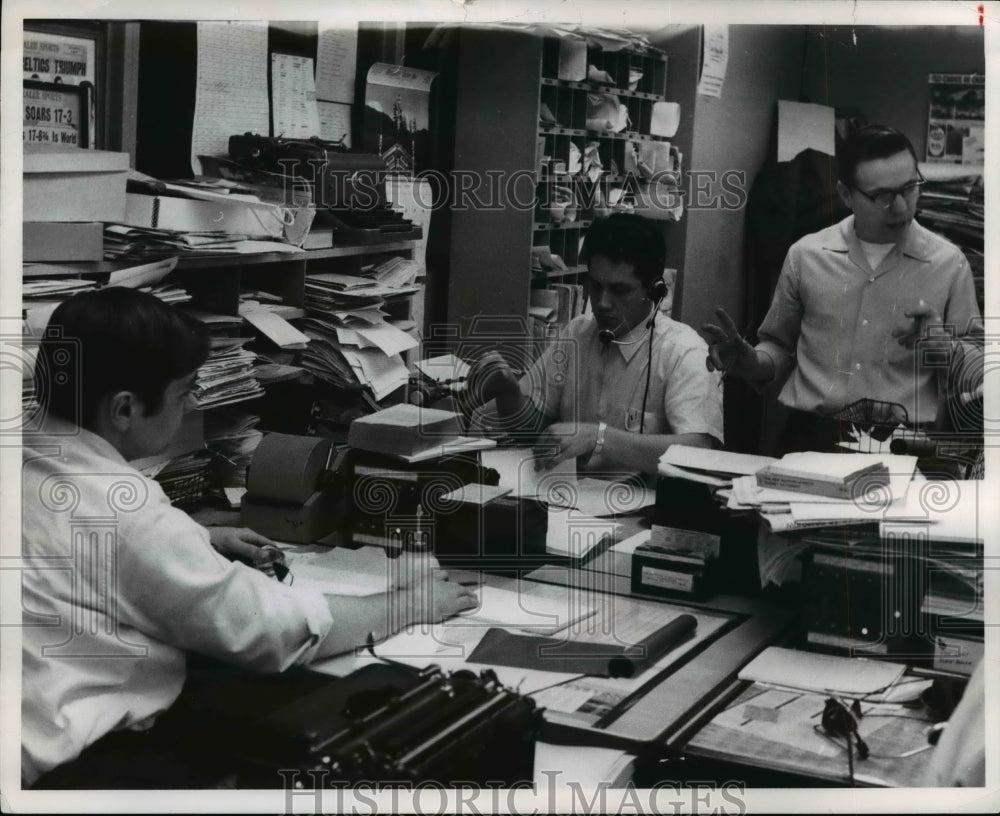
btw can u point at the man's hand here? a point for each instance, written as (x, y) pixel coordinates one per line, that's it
(564, 440)
(243, 544)
(491, 377)
(430, 600)
(411, 568)
(730, 353)
(925, 325)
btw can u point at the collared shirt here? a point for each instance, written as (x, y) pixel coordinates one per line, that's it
(579, 379)
(118, 585)
(832, 318)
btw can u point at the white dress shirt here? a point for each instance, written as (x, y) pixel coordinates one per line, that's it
(118, 585)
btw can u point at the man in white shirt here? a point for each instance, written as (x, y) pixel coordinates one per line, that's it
(620, 385)
(121, 585)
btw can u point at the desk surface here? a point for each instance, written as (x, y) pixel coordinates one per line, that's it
(780, 730)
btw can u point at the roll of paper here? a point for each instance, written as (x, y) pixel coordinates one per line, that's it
(286, 468)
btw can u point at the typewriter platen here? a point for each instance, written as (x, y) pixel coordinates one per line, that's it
(349, 189)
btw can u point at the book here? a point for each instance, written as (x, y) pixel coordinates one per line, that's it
(403, 430)
(839, 475)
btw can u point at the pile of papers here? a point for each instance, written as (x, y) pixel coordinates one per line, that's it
(39, 289)
(352, 343)
(228, 374)
(786, 509)
(232, 437)
(793, 510)
(121, 241)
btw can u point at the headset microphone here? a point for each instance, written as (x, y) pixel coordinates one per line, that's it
(657, 292)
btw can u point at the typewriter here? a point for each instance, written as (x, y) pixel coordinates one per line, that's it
(348, 187)
(383, 723)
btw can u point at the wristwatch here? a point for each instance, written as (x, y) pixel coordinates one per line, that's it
(602, 428)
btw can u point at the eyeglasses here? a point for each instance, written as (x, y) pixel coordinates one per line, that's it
(885, 198)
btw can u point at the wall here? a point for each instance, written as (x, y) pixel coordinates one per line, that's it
(733, 132)
(880, 72)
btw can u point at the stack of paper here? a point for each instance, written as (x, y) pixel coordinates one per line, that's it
(949, 512)
(708, 466)
(122, 241)
(168, 294)
(352, 343)
(839, 475)
(786, 510)
(232, 437)
(228, 374)
(396, 272)
(36, 289)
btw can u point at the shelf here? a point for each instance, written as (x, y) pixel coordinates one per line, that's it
(549, 274)
(611, 178)
(627, 136)
(202, 262)
(600, 87)
(540, 226)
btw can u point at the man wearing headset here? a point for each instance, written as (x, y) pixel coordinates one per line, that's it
(621, 384)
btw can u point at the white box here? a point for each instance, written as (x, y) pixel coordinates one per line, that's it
(253, 219)
(73, 184)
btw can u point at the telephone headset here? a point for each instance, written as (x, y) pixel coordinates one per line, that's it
(656, 292)
(839, 720)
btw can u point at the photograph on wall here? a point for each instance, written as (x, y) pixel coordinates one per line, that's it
(397, 106)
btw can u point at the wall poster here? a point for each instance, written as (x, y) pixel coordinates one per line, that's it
(956, 125)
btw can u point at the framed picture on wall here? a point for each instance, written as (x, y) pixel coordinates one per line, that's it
(55, 113)
(68, 56)
(956, 124)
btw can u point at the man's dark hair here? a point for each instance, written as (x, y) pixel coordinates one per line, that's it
(866, 143)
(114, 339)
(629, 238)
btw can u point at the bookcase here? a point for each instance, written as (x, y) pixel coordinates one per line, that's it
(514, 145)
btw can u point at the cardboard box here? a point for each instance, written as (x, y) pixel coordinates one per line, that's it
(252, 219)
(73, 184)
(63, 241)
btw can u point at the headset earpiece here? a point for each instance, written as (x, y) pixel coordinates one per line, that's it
(657, 290)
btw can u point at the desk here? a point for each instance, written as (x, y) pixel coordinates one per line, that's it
(675, 712)
(630, 714)
(792, 749)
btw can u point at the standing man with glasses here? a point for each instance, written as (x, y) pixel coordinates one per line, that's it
(853, 300)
